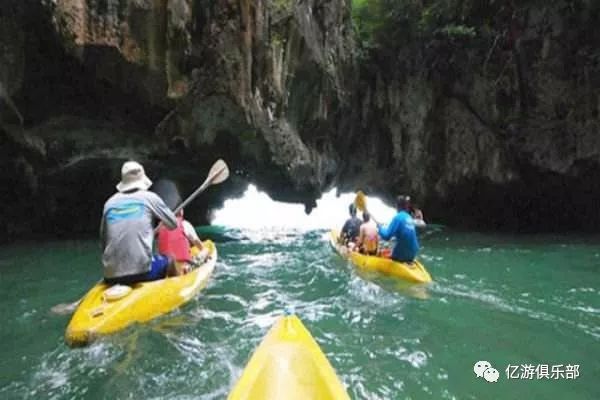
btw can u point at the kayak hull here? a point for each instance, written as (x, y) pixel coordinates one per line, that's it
(413, 272)
(288, 364)
(96, 316)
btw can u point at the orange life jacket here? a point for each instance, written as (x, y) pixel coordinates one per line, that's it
(370, 243)
(174, 243)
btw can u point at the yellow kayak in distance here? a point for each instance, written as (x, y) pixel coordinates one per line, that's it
(288, 364)
(414, 272)
(106, 309)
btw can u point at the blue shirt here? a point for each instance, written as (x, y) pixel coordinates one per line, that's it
(402, 228)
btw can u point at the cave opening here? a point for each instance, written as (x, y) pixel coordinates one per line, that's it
(255, 210)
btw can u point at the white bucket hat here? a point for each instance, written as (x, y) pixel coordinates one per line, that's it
(133, 177)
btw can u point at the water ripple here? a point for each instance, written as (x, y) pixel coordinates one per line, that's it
(386, 340)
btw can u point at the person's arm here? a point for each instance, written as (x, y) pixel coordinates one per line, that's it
(161, 211)
(191, 235)
(345, 228)
(344, 231)
(386, 232)
(361, 236)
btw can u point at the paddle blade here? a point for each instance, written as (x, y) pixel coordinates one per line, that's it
(65, 308)
(360, 201)
(218, 173)
(167, 190)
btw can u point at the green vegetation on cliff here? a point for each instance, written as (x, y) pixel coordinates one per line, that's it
(453, 38)
(381, 23)
(392, 23)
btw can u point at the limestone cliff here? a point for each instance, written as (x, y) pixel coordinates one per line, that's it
(494, 126)
(495, 129)
(177, 84)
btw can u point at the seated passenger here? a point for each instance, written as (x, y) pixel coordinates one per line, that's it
(351, 228)
(368, 239)
(176, 244)
(126, 230)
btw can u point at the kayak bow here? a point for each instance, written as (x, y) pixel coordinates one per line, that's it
(288, 364)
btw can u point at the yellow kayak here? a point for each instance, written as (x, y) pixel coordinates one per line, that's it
(288, 364)
(106, 309)
(414, 272)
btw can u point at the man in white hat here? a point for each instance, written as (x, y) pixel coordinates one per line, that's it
(127, 233)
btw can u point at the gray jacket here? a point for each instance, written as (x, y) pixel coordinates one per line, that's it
(127, 234)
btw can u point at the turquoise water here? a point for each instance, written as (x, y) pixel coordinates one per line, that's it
(506, 300)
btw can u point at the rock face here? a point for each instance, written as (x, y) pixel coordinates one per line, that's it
(177, 84)
(498, 133)
(139, 46)
(264, 88)
(498, 130)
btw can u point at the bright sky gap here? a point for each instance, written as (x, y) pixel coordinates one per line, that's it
(256, 210)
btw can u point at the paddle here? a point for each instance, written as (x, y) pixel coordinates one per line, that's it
(217, 174)
(67, 308)
(167, 190)
(361, 204)
(360, 201)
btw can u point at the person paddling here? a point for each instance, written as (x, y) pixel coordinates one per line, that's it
(176, 243)
(127, 233)
(402, 227)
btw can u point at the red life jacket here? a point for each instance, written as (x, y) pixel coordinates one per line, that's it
(174, 243)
